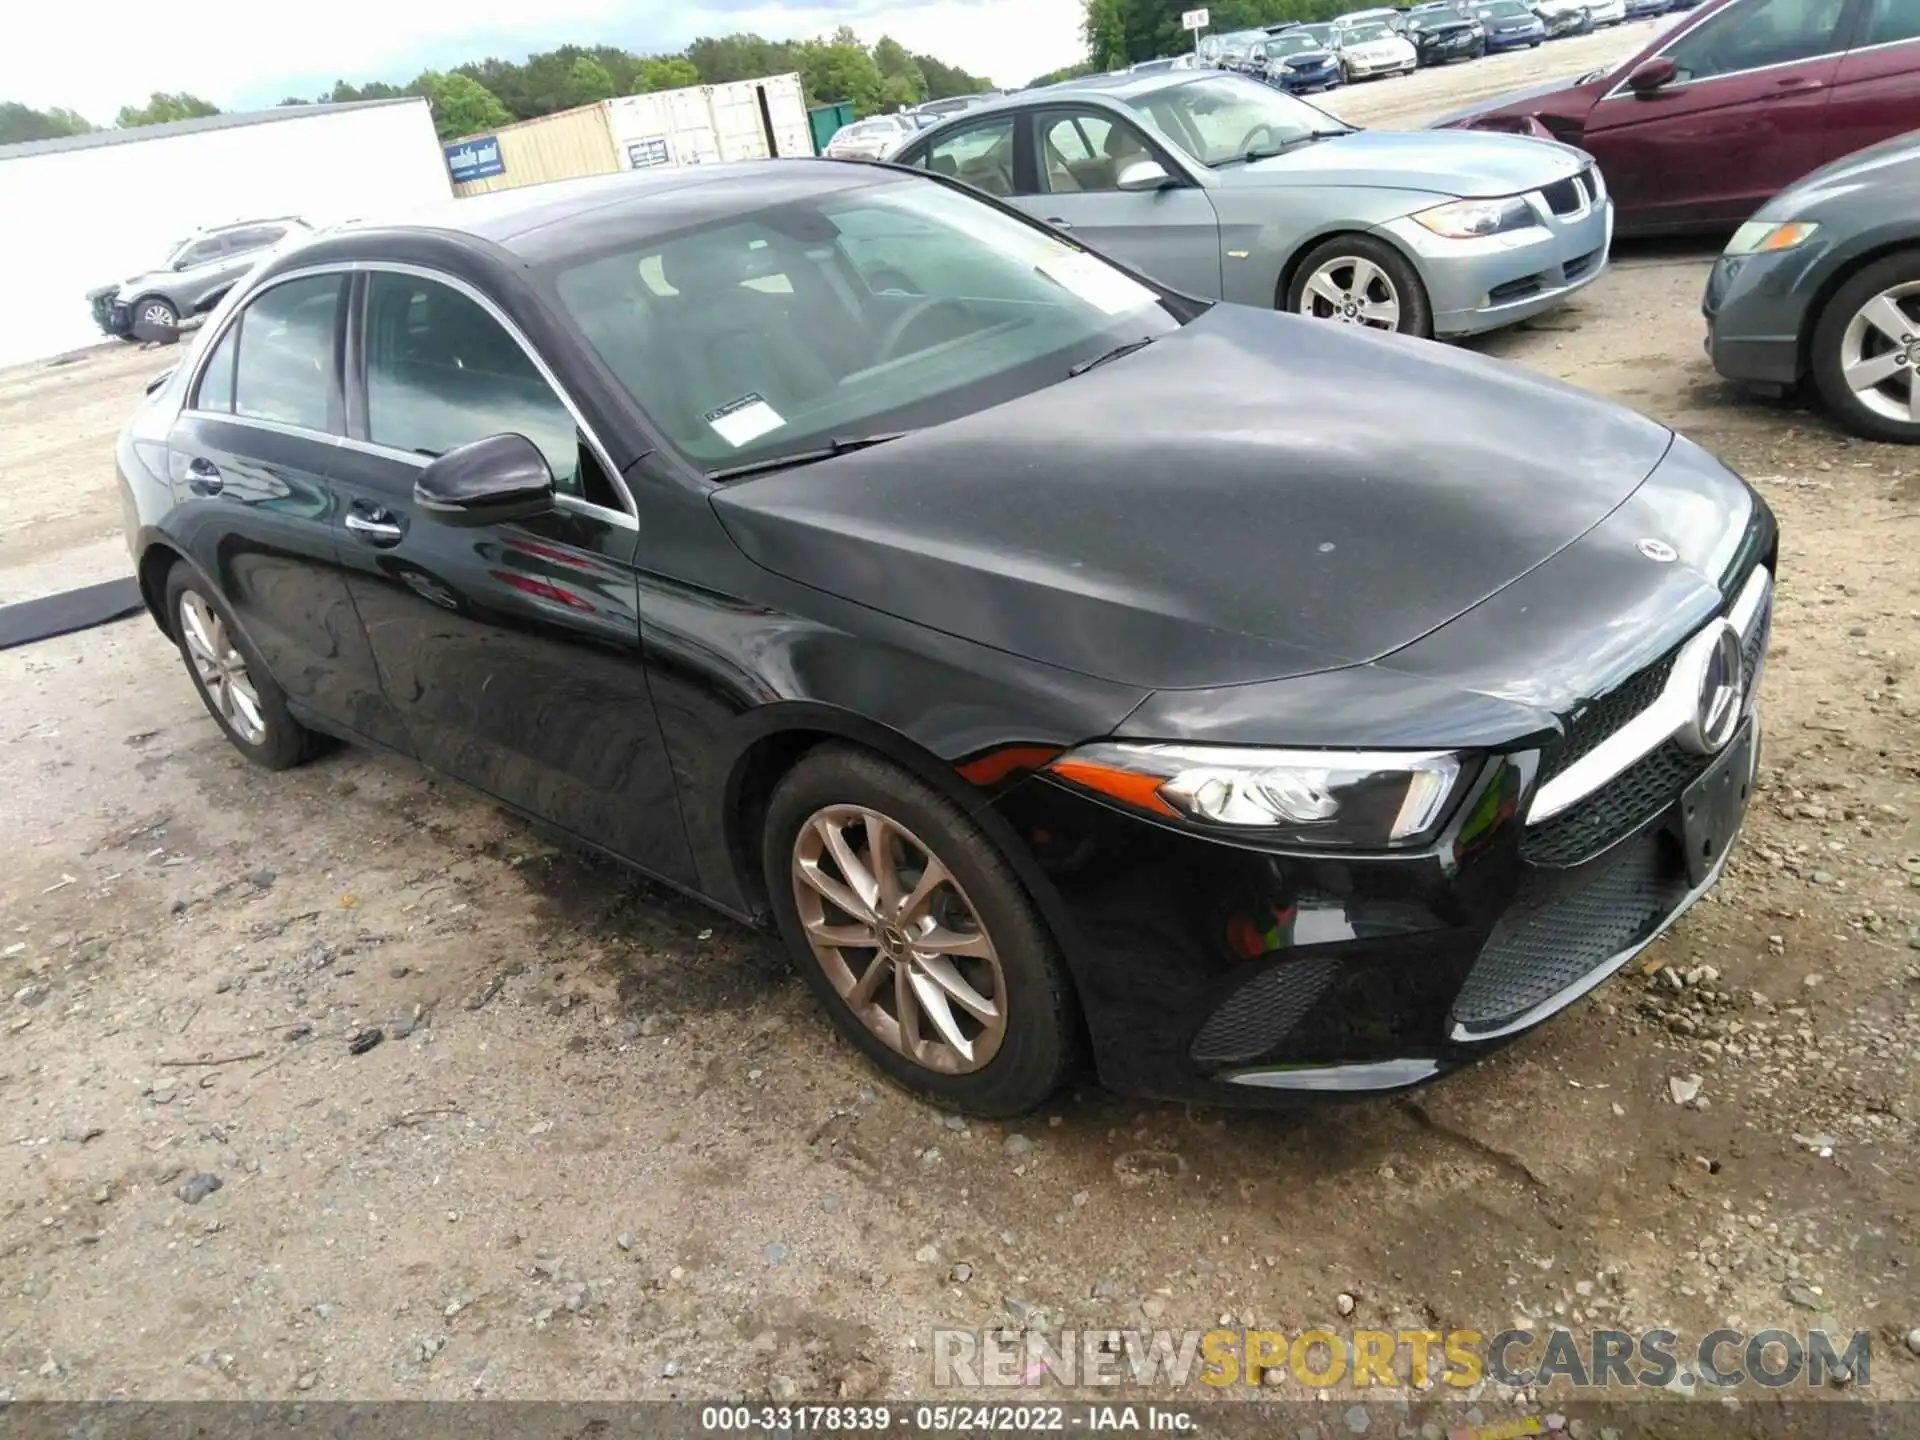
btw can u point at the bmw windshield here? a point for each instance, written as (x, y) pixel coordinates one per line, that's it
(846, 319)
(1229, 119)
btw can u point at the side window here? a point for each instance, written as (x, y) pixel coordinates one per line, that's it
(201, 252)
(1085, 151)
(981, 155)
(442, 373)
(285, 367)
(1758, 33)
(1891, 21)
(216, 381)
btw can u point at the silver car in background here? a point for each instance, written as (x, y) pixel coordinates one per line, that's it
(874, 138)
(1225, 188)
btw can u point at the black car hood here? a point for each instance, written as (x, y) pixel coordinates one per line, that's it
(1253, 497)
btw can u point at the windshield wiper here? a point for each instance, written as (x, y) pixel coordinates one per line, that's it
(1083, 366)
(1268, 152)
(795, 458)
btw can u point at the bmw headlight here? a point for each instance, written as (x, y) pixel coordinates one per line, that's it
(1468, 219)
(1375, 799)
(1765, 236)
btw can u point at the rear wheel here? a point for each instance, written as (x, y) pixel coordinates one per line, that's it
(233, 682)
(917, 936)
(1358, 280)
(1866, 350)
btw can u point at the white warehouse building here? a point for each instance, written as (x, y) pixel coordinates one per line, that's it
(88, 210)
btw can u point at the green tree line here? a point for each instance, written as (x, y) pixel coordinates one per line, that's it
(485, 94)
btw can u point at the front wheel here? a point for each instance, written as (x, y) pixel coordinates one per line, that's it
(1866, 350)
(157, 313)
(916, 934)
(1358, 280)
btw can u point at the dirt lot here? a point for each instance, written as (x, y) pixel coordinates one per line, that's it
(609, 1147)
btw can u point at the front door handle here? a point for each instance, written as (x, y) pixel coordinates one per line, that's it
(1798, 85)
(204, 477)
(1057, 223)
(377, 527)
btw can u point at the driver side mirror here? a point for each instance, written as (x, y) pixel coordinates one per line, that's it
(1650, 75)
(1143, 175)
(490, 482)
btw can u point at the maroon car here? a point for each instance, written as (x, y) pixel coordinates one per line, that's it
(1731, 104)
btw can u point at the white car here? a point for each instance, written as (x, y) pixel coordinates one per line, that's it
(1371, 49)
(1607, 12)
(874, 138)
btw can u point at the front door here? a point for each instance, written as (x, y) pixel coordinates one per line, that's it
(251, 460)
(1744, 115)
(512, 651)
(1877, 92)
(1171, 234)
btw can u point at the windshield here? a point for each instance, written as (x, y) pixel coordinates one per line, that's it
(1362, 34)
(1289, 45)
(1433, 19)
(1504, 10)
(1322, 34)
(1224, 119)
(839, 317)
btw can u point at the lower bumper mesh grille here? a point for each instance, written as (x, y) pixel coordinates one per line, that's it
(1260, 1014)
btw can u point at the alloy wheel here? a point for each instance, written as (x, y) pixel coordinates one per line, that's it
(899, 940)
(222, 669)
(157, 314)
(1880, 353)
(1354, 291)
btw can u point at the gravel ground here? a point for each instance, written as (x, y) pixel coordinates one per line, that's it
(607, 1147)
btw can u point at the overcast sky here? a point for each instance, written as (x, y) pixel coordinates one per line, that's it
(96, 55)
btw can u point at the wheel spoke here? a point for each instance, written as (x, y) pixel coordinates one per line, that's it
(939, 940)
(883, 858)
(869, 981)
(931, 879)
(1866, 374)
(1913, 396)
(863, 884)
(1381, 312)
(196, 631)
(1889, 319)
(1365, 272)
(933, 1004)
(906, 1006)
(246, 704)
(942, 972)
(810, 872)
(857, 936)
(1322, 284)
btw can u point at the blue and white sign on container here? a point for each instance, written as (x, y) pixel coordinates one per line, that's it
(476, 159)
(649, 154)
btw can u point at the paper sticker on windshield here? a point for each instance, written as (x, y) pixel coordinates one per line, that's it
(1096, 282)
(744, 420)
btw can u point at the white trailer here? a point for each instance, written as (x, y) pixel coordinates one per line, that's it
(89, 210)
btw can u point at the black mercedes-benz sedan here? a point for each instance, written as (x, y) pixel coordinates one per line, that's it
(1058, 663)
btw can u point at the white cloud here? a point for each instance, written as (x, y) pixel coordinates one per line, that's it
(95, 55)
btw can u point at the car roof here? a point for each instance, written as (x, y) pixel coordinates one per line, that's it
(548, 223)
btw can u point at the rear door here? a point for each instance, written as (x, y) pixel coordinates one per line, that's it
(511, 651)
(1171, 234)
(251, 460)
(1877, 92)
(1744, 116)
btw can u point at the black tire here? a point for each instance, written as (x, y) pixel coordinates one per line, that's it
(1902, 268)
(1041, 1040)
(156, 312)
(1416, 311)
(286, 742)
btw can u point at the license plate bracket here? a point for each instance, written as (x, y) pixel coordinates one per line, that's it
(1712, 807)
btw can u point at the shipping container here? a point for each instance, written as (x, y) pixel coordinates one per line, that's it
(553, 147)
(85, 211)
(662, 130)
(761, 119)
(827, 121)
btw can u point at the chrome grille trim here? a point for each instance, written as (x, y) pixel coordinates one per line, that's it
(1656, 724)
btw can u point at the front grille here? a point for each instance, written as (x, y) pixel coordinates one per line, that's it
(1619, 807)
(1580, 265)
(1259, 1015)
(1600, 718)
(1514, 289)
(1565, 197)
(1557, 933)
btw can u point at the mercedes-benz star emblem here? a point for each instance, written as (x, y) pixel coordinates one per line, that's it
(1720, 695)
(1658, 551)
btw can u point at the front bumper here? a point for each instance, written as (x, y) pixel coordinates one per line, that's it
(1495, 280)
(1306, 82)
(1755, 307)
(1461, 49)
(1379, 69)
(110, 313)
(1234, 974)
(1515, 39)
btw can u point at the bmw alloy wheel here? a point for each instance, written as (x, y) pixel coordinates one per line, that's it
(1354, 291)
(222, 669)
(899, 940)
(1880, 350)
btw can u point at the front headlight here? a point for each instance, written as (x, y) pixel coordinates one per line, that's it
(1378, 799)
(1765, 236)
(1467, 219)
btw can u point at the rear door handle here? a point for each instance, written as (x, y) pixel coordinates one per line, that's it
(204, 477)
(375, 527)
(1058, 223)
(1798, 84)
